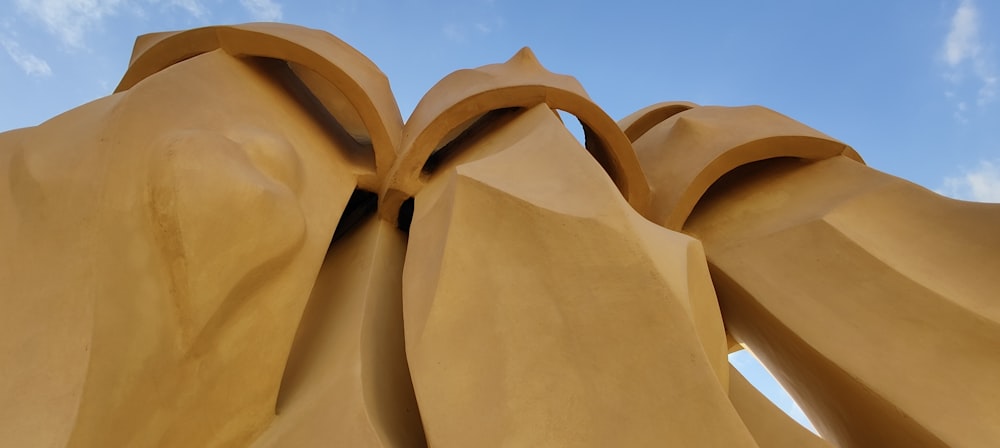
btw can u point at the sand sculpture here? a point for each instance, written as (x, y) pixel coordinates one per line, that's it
(245, 246)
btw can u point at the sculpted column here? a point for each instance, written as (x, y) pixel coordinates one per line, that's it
(873, 300)
(540, 308)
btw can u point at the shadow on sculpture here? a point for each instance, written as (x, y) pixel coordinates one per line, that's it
(245, 246)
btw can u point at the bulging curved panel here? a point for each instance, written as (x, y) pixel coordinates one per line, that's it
(642, 120)
(349, 72)
(521, 82)
(707, 142)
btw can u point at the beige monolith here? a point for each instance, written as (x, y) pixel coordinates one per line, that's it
(554, 344)
(245, 246)
(158, 248)
(872, 299)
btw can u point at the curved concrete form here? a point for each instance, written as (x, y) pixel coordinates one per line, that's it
(244, 247)
(642, 120)
(521, 82)
(708, 142)
(339, 73)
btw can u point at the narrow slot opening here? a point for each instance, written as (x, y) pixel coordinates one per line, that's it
(574, 126)
(361, 205)
(476, 130)
(405, 215)
(764, 381)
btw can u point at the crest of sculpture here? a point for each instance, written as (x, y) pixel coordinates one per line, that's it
(245, 246)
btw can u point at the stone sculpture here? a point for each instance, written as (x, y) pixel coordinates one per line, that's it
(245, 246)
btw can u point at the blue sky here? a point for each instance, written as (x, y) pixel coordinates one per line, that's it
(914, 86)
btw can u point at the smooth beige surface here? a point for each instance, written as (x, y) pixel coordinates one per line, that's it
(917, 348)
(122, 241)
(349, 86)
(706, 142)
(641, 121)
(347, 381)
(768, 424)
(873, 300)
(244, 246)
(556, 336)
(463, 96)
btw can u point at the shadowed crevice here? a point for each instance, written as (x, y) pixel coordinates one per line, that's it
(361, 205)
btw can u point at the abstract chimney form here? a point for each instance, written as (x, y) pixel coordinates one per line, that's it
(244, 246)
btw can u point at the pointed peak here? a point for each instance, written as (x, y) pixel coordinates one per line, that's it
(525, 56)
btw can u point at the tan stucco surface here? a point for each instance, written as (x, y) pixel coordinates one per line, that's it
(245, 245)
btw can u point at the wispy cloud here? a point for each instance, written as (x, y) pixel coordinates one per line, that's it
(31, 65)
(966, 56)
(460, 33)
(263, 10)
(981, 184)
(473, 20)
(193, 7)
(453, 32)
(962, 41)
(71, 20)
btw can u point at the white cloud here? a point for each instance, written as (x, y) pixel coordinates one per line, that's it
(263, 10)
(966, 55)
(193, 7)
(981, 184)
(494, 23)
(461, 33)
(71, 20)
(962, 41)
(31, 64)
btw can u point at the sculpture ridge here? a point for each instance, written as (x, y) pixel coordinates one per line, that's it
(245, 245)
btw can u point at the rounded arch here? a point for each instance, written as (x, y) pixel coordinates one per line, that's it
(685, 154)
(521, 82)
(642, 120)
(348, 71)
